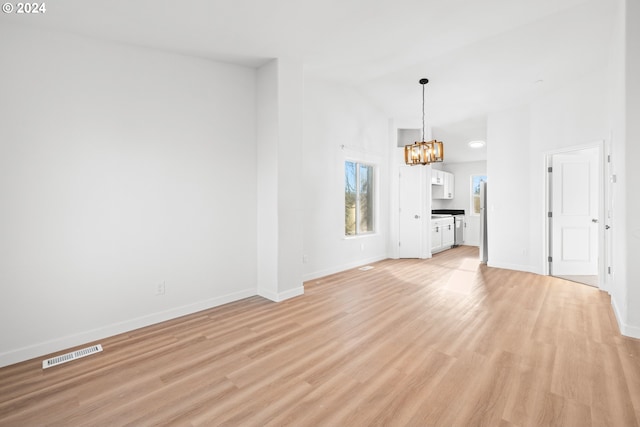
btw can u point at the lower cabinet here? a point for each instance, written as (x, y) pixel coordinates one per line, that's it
(442, 234)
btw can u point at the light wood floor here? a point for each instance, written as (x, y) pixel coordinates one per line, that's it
(437, 342)
(587, 280)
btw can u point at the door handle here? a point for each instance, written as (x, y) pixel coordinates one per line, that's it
(594, 220)
(417, 217)
(606, 227)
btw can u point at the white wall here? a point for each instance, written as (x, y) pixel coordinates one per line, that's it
(631, 175)
(280, 214)
(617, 122)
(340, 124)
(462, 196)
(508, 186)
(290, 211)
(120, 168)
(267, 178)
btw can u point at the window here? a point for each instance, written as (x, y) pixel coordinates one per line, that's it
(358, 198)
(476, 180)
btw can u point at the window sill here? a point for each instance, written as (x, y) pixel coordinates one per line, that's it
(360, 236)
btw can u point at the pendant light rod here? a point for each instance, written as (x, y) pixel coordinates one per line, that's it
(423, 82)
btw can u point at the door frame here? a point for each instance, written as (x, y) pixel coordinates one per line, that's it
(603, 243)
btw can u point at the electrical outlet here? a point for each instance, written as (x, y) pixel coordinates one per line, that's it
(160, 289)
(305, 259)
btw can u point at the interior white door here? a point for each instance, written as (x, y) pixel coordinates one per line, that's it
(411, 200)
(574, 206)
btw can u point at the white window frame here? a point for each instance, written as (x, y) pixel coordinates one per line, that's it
(472, 211)
(375, 176)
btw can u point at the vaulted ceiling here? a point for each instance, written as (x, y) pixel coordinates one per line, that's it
(480, 55)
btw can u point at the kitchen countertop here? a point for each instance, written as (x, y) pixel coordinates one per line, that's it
(447, 212)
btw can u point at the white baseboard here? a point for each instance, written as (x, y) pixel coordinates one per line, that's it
(517, 267)
(281, 296)
(340, 268)
(41, 349)
(625, 329)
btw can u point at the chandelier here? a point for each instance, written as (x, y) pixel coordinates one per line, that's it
(423, 152)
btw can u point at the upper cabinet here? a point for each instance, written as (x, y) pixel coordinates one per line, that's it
(437, 177)
(443, 184)
(449, 185)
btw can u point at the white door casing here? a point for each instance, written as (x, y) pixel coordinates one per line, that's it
(574, 206)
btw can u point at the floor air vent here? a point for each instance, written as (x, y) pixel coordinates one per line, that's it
(64, 358)
(366, 267)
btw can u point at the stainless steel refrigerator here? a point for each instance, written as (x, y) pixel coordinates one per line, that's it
(483, 223)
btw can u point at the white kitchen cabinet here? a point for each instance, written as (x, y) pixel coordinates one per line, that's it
(449, 185)
(436, 237)
(437, 177)
(448, 234)
(442, 234)
(445, 190)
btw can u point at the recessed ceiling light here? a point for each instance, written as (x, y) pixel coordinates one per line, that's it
(476, 144)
